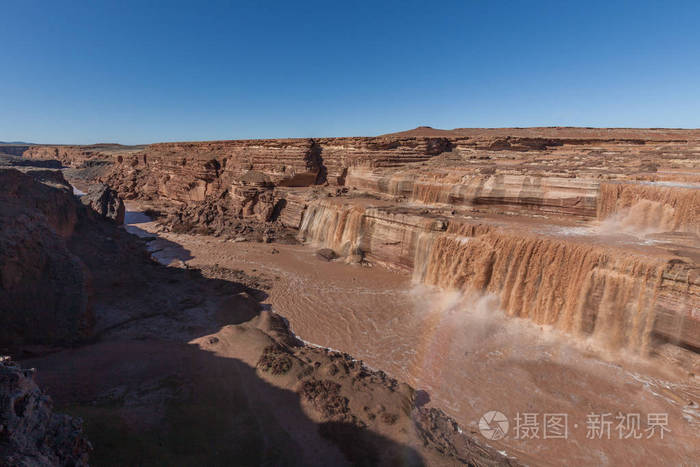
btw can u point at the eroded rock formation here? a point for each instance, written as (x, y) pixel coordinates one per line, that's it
(31, 434)
(575, 204)
(105, 203)
(45, 288)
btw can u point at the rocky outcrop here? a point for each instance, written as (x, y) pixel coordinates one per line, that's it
(443, 434)
(191, 171)
(105, 203)
(326, 254)
(31, 434)
(20, 162)
(588, 135)
(371, 417)
(45, 191)
(339, 154)
(44, 288)
(252, 196)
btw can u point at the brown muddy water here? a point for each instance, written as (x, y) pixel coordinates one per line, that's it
(470, 358)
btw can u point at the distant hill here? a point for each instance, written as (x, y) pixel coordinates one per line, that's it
(654, 134)
(17, 143)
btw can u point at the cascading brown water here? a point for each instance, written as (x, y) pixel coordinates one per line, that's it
(583, 286)
(575, 287)
(648, 207)
(333, 226)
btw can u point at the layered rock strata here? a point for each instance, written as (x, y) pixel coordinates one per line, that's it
(77, 155)
(614, 210)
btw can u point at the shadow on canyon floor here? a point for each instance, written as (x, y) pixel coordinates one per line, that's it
(185, 406)
(150, 396)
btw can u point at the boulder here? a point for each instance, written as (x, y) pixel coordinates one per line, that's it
(105, 202)
(30, 433)
(327, 254)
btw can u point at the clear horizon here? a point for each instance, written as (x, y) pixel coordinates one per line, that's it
(123, 72)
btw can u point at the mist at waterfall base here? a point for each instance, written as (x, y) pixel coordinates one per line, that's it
(455, 325)
(471, 358)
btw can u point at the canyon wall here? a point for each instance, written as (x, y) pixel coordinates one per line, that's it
(548, 170)
(67, 155)
(553, 195)
(44, 287)
(74, 156)
(593, 231)
(186, 172)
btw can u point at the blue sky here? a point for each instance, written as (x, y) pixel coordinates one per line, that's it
(146, 71)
